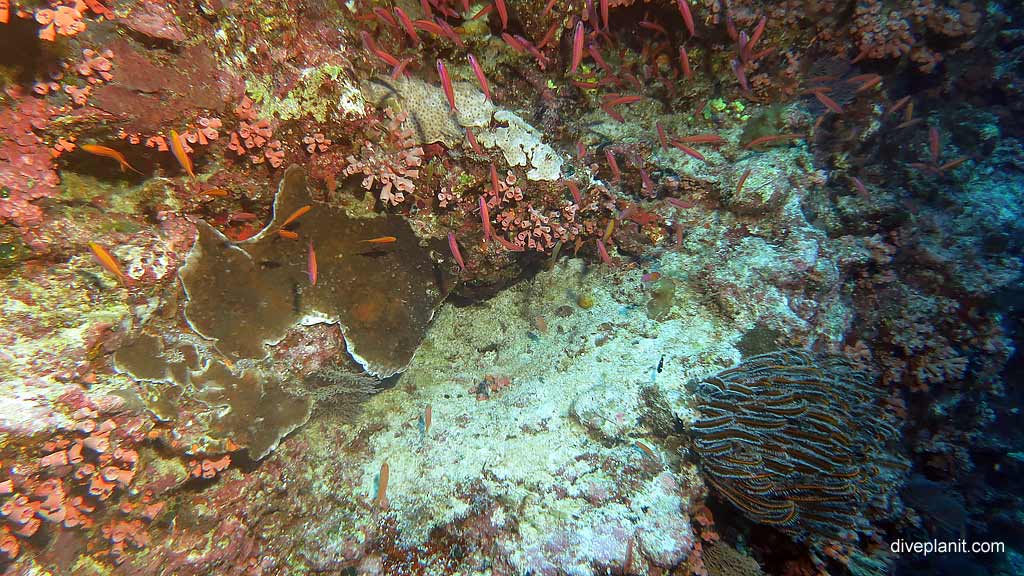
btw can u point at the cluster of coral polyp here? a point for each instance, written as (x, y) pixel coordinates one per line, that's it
(392, 164)
(254, 136)
(82, 478)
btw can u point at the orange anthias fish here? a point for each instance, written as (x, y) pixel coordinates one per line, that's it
(295, 215)
(179, 152)
(380, 240)
(109, 153)
(107, 261)
(218, 192)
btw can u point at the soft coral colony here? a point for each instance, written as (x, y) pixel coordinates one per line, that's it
(785, 162)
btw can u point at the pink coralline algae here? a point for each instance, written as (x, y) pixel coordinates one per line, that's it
(392, 162)
(26, 163)
(155, 20)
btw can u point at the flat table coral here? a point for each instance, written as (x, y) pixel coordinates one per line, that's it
(249, 407)
(248, 294)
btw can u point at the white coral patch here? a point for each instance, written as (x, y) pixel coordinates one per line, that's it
(522, 146)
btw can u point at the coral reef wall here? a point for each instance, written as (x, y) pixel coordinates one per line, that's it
(510, 287)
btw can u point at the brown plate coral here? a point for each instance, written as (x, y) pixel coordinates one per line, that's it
(383, 295)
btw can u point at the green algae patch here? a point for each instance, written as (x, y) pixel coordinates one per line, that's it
(118, 196)
(12, 248)
(319, 93)
(759, 340)
(50, 319)
(246, 295)
(767, 122)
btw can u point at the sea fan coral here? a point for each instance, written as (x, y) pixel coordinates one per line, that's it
(799, 442)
